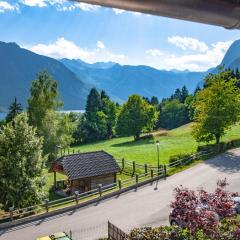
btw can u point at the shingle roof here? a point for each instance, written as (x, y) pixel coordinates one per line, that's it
(88, 164)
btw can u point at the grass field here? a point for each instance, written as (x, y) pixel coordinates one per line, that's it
(172, 142)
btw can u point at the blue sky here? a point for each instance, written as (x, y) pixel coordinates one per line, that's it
(60, 28)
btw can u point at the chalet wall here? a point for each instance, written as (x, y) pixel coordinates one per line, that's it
(104, 180)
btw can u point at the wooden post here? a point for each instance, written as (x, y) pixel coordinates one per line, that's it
(146, 169)
(46, 205)
(11, 209)
(71, 185)
(134, 167)
(68, 151)
(165, 170)
(78, 151)
(73, 151)
(136, 178)
(100, 190)
(120, 184)
(76, 196)
(123, 163)
(151, 173)
(55, 180)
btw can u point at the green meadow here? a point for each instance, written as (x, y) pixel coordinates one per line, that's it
(176, 141)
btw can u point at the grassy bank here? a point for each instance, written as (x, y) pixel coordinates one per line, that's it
(176, 141)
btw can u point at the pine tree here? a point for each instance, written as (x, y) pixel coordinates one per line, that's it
(154, 101)
(14, 109)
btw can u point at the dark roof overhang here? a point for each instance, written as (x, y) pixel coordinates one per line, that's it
(225, 13)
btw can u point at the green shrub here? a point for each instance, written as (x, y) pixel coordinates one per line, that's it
(175, 158)
(227, 229)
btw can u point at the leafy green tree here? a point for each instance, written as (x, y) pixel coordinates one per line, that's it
(57, 130)
(136, 116)
(173, 114)
(99, 119)
(110, 110)
(189, 103)
(44, 97)
(14, 109)
(21, 164)
(217, 107)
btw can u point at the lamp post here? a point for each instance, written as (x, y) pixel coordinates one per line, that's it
(158, 143)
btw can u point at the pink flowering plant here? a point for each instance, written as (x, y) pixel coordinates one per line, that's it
(200, 210)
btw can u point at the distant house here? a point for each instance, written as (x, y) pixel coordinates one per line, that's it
(85, 171)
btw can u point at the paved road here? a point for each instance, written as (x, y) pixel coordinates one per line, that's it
(145, 206)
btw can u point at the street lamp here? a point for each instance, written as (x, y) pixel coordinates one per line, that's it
(158, 143)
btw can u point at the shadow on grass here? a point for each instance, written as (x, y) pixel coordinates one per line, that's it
(135, 143)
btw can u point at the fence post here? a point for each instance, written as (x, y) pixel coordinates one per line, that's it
(68, 151)
(46, 204)
(151, 173)
(11, 209)
(73, 151)
(165, 170)
(136, 178)
(146, 169)
(78, 151)
(120, 184)
(134, 167)
(76, 196)
(123, 163)
(100, 190)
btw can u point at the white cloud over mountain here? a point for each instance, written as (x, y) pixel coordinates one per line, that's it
(200, 58)
(188, 43)
(63, 48)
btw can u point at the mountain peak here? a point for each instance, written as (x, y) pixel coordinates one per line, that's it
(232, 54)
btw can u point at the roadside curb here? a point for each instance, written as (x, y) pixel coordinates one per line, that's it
(77, 206)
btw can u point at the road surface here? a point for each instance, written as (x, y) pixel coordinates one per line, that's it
(144, 207)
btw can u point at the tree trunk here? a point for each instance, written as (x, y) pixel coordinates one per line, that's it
(137, 137)
(217, 137)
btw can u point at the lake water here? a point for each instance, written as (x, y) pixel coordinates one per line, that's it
(3, 115)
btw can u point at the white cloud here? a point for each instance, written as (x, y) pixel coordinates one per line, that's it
(5, 6)
(61, 5)
(100, 45)
(63, 48)
(34, 3)
(187, 43)
(118, 11)
(136, 13)
(154, 52)
(195, 62)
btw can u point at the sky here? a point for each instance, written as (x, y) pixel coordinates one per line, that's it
(67, 29)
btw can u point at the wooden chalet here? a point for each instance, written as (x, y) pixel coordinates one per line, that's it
(85, 171)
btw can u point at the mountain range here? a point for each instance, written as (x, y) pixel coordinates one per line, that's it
(18, 67)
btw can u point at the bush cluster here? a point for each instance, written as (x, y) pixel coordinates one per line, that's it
(178, 157)
(228, 229)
